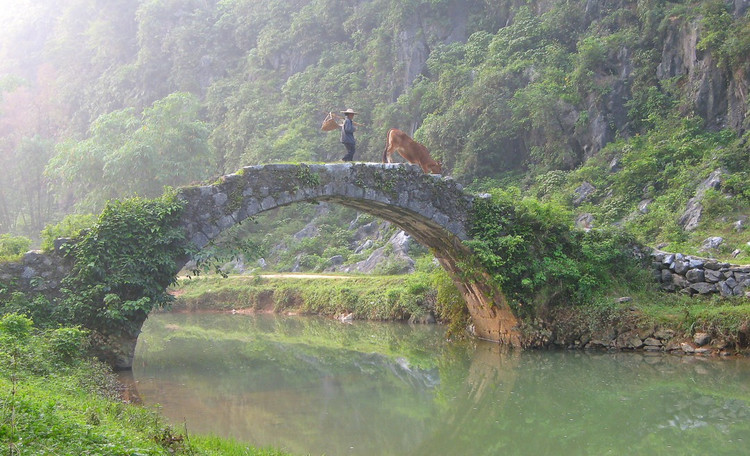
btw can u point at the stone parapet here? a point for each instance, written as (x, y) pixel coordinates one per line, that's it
(37, 273)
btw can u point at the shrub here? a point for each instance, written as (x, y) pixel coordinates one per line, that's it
(13, 246)
(124, 264)
(536, 258)
(70, 227)
(68, 344)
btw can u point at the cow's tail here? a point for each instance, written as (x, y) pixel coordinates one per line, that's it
(387, 143)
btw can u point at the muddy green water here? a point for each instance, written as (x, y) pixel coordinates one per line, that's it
(315, 386)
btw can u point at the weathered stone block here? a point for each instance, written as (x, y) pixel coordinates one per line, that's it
(701, 339)
(650, 341)
(666, 276)
(680, 281)
(199, 240)
(28, 273)
(225, 222)
(268, 203)
(664, 334)
(687, 348)
(681, 267)
(703, 287)
(712, 276)
(725, 289)
(220, 199)
(695, 275)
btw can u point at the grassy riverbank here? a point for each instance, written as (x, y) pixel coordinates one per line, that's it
(54, 400)
(627, 307)
(365, 297)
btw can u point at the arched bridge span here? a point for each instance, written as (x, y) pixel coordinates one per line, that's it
(432, 209)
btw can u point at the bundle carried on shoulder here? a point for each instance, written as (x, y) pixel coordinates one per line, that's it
(330, 124)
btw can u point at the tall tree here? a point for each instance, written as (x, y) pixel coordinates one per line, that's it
(130, 154)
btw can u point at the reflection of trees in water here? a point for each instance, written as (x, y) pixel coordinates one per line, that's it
(584, 403)
(317, 386)
(306, 384)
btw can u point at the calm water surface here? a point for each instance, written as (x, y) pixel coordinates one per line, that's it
(315, 386)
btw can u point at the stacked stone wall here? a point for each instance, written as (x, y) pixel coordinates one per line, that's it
(37, 273)
(699, 276)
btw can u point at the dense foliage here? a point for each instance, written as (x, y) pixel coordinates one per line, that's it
(537, 259)
(11, 247)
(110, 99)
(124, 263)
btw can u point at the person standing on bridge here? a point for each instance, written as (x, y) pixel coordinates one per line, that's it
(347, 134)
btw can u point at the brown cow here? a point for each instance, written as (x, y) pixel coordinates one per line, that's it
(412, 151)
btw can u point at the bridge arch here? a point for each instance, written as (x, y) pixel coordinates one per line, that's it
(434, 210)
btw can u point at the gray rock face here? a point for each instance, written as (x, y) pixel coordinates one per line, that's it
(393, 257)
(695, 275)
(366, 245)
(700, 339)
(711, 243)
(740, 7)
(703, 287)
(583, 192)
(336, 260)
(694, 209)
(584, 221)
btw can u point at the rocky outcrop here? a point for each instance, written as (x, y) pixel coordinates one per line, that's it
(392, 258)
(717, 96)
(694, 209)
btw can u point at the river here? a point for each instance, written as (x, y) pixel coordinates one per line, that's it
(315, 386)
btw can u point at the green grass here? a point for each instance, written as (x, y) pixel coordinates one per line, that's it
(367, 297)
(61, 416)
(392, 298)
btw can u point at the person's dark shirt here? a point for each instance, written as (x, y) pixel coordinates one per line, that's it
(347, 132)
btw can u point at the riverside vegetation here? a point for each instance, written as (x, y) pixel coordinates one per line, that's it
(57, 400)
(627, 117)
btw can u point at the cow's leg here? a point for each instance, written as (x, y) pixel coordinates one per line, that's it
(387, 155)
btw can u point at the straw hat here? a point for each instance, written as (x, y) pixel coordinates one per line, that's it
(349, 111)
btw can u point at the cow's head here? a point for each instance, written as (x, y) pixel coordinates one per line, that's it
(436, 167)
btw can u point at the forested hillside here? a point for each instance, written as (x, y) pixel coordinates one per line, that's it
(617, 111)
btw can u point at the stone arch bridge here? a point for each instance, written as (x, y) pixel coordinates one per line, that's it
(434, 210)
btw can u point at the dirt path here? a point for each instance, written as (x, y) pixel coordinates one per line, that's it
(287, 275)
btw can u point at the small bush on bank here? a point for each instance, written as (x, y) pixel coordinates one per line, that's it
(12, 247)
(69, 227)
